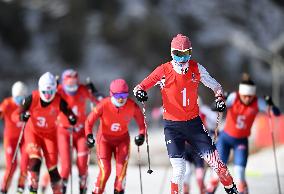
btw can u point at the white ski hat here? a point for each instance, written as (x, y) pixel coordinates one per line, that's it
(47, 87)
(19, 89)
(246, 89)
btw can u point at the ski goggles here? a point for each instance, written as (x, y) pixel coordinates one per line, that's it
(182, 53)
(48, 92)
(120, 95)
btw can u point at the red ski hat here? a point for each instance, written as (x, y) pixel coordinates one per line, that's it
(181, 43)
(118, 86)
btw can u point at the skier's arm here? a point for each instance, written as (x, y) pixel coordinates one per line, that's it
(64, 108)
(209, 81)
(264, 104)
(139, 118)
(151, 79)
(230, 99)
(92, 118)
(94, 95)
(22, 114)
(3, 106)
(27, 103)
(67, 112)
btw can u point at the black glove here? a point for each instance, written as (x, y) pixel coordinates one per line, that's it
(72, 119)
(99, 96)
(92, 87)
(139, 139)
(268, 100)
(24, 116)
(90, 141)
(141, 95)
(220, 104)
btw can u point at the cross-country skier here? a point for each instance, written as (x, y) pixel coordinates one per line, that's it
(11, 134)
(44, 106)
(181, 113)
(77, 96)
(115, 113)
(243, 106)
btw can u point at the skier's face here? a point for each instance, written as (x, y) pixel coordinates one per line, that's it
(121, 98)
(70, 84)
(181, 56)
(246, 99)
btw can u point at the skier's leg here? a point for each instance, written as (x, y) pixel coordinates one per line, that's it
(64, 153)
(199, 172)
(82, 161)
(224, 151)
(33, 174)
(23, 169)
(50, 152)
(121, 157)
(240, 161)
(175, 143)
(33, 148)
(104, 153)
(206, 148)
(10, 148)
(55, 180)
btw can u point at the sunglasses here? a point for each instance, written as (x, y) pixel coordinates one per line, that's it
(120, 95)
(182, 53)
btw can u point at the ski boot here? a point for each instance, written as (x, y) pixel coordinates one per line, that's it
(83, 190)
(32, 191)
(118, 192)
(64, 186)
(232, 190)
(20, 190)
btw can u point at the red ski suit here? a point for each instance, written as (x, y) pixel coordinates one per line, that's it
(78, 104)
(113, 137)
(40, 134)
(11, 134)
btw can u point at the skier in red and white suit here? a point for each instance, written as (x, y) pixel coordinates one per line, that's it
(11, 135)
(77, 96)
(181, 112)
(40, 111)
(115, 113)
(243, 107)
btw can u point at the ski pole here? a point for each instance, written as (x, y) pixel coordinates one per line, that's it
(139, 165)
(149, 171)
(15, 154)
(274, 149)
(217, 127)
(71, 159)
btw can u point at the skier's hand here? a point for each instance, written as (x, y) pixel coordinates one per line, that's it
(24, 116)
(276, 111)
(141, 95)
(72, 119)
(268, 100)
(91, 87)
(139, 139)
(90, 141)
(220, 103)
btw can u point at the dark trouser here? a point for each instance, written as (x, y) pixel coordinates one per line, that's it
(193, 132)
